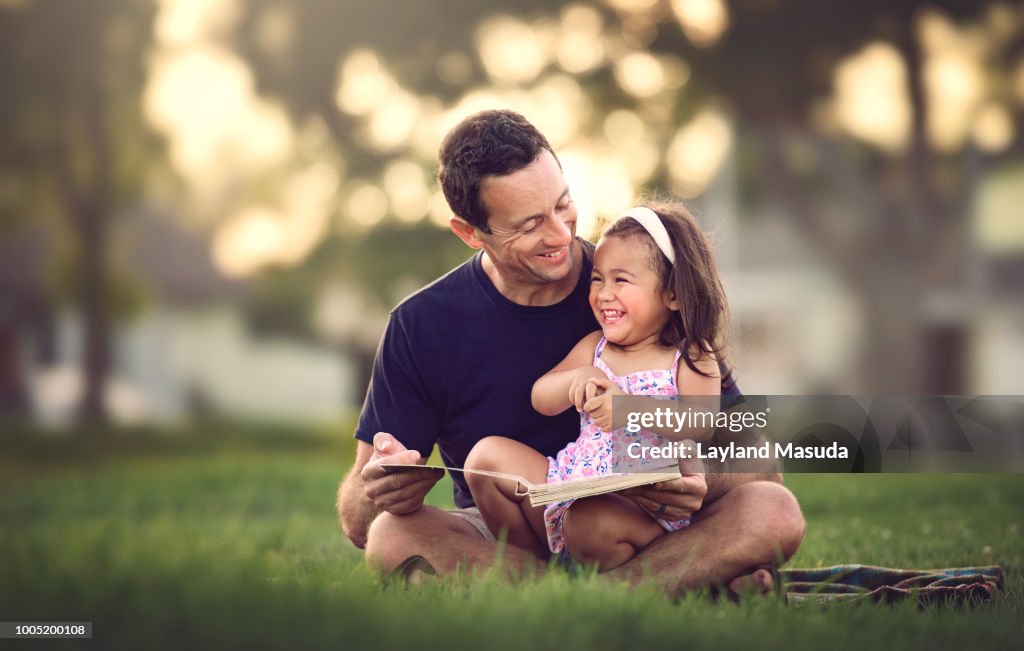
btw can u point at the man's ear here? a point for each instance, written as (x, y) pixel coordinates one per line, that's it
(466, 232)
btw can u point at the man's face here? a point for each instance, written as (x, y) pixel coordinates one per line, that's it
(532, 220)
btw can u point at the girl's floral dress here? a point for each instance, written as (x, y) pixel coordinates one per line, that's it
(591, 454)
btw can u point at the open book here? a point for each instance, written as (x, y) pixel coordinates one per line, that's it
(541, 494)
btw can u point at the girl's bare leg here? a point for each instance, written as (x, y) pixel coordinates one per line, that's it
(501, 507)
(608, 530)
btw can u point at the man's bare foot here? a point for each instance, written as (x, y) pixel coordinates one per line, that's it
(419, 577)
(760, 581)
(414, 570)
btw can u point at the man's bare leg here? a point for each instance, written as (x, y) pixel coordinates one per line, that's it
(445, 540)
(754, 525)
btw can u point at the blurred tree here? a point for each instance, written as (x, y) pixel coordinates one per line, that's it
(376, 270)
(72, 143)
(770, 69)
(413, 37)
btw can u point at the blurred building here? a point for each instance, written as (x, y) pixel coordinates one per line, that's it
(994, 302)
(187, 351)
(798, 329)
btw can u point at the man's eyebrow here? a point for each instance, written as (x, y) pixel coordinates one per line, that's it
(522, 222)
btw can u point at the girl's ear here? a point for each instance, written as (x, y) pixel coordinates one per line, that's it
(671, 302)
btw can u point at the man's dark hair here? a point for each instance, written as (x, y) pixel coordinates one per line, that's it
(488, 143)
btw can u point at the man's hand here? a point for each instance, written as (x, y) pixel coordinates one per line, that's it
(598, 404)
(676, 499)
(580, 390)
(399, 493)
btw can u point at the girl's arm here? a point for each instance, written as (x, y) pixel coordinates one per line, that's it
(550, 394)
(699, 393)
(707, 389)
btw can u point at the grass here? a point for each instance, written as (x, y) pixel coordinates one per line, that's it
(229, 539)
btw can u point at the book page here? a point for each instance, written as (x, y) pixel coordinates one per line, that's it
(541, 494)
(402, 467)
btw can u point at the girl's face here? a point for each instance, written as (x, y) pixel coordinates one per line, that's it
(625, 293)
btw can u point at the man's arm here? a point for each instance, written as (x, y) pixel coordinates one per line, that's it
(705, 481)
(368, 489)
(720, 483)
(714, 478)
(692, 492)
(355, 510)
(723, 476)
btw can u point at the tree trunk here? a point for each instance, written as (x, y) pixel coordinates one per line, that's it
(90, 214)
(94, 305)
(13, 400)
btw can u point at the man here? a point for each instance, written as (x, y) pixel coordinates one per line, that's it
(457, 362)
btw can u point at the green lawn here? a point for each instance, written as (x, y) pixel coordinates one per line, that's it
(173, 540)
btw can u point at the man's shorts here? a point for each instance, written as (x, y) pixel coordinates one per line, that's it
(473, 516)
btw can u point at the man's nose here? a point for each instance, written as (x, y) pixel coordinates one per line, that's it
(558, 232)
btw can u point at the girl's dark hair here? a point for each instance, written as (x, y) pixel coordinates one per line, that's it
(699, 328)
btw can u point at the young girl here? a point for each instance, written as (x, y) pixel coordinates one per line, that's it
(656, 293)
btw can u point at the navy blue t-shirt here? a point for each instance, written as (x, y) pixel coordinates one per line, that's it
(458, 361)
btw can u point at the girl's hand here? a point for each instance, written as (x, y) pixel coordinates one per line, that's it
(599, 393)
(579, 392)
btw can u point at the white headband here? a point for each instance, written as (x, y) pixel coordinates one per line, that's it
(652, 224)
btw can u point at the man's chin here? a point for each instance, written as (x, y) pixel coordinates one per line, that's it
(554, 274)
(557, 272)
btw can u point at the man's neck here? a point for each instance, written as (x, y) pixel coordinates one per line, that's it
(535, 294)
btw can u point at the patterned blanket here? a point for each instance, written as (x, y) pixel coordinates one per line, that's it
(958, 585)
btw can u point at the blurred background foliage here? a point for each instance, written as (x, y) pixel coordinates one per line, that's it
(210, 205)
